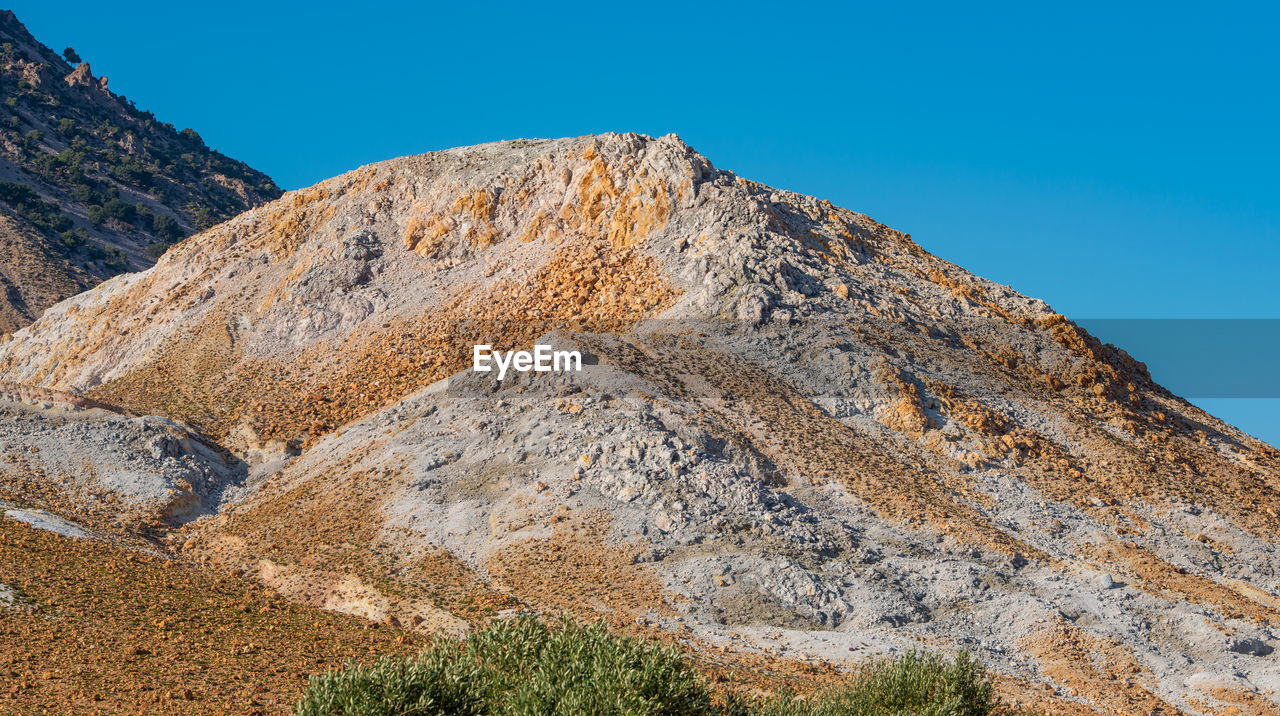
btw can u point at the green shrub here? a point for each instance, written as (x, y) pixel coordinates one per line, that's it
(117, 209)
(204, 218)
(114, 258)
(60, 166)
(166, 227)
(131, 171)
(28, 204)
(915, 683)
(520, 666)
(192, 137)
(577, 670)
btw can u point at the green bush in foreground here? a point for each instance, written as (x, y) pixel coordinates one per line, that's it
(521, 666)
(915, 683)
(518, 666)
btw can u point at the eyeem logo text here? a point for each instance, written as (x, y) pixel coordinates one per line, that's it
(542, 359)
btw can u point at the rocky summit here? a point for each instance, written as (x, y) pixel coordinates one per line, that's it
(797, 438)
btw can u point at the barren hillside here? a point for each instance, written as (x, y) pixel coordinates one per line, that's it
(798, 434)
(90, 185)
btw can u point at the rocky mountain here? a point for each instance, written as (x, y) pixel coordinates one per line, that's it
(91, 186)
(798, 437)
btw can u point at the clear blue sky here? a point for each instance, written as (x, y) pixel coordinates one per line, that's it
(1114, 161)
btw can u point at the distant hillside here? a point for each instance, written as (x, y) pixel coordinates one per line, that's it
(90, 185)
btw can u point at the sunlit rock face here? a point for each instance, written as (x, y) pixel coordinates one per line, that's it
(793, 429)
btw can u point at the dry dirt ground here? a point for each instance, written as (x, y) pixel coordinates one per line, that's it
(92, 627)
(97, 628)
